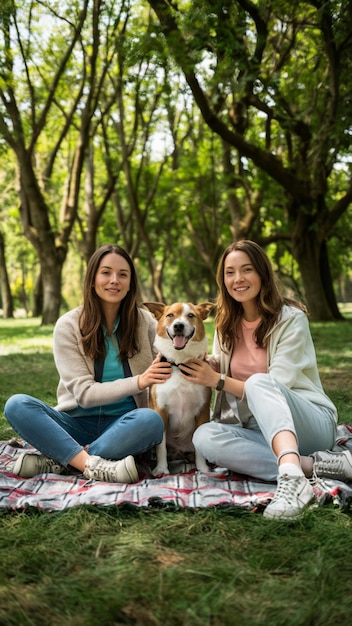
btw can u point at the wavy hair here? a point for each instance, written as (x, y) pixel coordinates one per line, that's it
(92, 316)
(270, 301)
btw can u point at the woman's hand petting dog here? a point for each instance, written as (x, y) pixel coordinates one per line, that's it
(199, 371)
(158, 372)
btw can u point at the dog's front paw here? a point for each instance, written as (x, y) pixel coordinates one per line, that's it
(201, 464)
(160, 469)
(203, 468)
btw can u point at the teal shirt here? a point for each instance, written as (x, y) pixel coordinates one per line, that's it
(113, 370)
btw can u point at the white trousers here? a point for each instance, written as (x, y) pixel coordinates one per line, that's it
(273, 408)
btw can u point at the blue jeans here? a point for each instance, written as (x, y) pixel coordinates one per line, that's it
(61, 436)
(272, 408)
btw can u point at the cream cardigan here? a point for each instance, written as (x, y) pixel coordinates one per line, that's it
(291, 361)
(77, 386)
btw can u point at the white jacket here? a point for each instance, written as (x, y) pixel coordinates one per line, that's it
(77, 386)
(291, 362)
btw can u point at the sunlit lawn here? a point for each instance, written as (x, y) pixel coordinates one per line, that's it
(91, 566)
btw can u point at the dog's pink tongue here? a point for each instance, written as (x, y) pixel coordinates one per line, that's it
(179, 342)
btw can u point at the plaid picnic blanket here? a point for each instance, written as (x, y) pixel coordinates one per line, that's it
(183, 488)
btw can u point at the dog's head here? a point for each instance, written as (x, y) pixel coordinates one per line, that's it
(180, 334)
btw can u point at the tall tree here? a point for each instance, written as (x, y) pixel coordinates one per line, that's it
(25, 76)
(51, 76)
(288, 66)
(5, 291)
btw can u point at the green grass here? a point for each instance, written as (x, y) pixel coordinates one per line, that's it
(108, 566)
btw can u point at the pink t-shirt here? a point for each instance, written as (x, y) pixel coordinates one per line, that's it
(247, 358)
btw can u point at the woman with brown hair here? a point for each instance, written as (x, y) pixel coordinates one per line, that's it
(270, 407)
(103, 352)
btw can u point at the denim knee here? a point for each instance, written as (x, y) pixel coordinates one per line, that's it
(155, 422)
(13, 407)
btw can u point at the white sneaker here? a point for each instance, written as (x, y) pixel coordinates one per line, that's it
(30, 464)
(123, 471)
(334, 465)
(293, 495)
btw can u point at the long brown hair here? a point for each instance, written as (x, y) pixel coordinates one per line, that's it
(92, 316)
(229, 313)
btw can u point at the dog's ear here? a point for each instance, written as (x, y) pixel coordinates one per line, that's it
(204, 309)
(157, 308)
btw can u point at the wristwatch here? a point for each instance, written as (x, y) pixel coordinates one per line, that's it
(221, 382)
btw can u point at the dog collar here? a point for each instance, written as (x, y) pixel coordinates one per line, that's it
(163, 359)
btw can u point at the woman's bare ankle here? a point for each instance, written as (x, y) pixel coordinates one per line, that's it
(307, 466)
(79, 460)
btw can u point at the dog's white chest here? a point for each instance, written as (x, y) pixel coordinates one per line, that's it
(183, 401)
(180, 396)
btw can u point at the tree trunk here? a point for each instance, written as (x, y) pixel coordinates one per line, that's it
(37, 228)
(38, 296)
(307, 250)
(7, 301)
(327, 282)
(51, 281)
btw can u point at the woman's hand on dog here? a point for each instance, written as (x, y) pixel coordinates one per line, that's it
(158, 372)
(199, 371)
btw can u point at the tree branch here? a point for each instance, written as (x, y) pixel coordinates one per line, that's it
(266, 161)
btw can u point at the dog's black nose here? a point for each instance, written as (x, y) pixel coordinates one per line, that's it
(179, 327)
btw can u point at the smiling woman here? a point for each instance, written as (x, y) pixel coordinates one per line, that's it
(112, 283)
(243, 283)
(103, 352)
(270, 407)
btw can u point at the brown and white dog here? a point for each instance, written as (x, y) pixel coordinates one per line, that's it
(183, 405)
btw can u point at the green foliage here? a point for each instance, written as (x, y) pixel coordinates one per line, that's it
(154, 177)
(28, 347)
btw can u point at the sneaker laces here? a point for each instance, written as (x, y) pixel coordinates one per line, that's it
(105, 470)
(333, 467)
(287, 488)
(46, 465)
